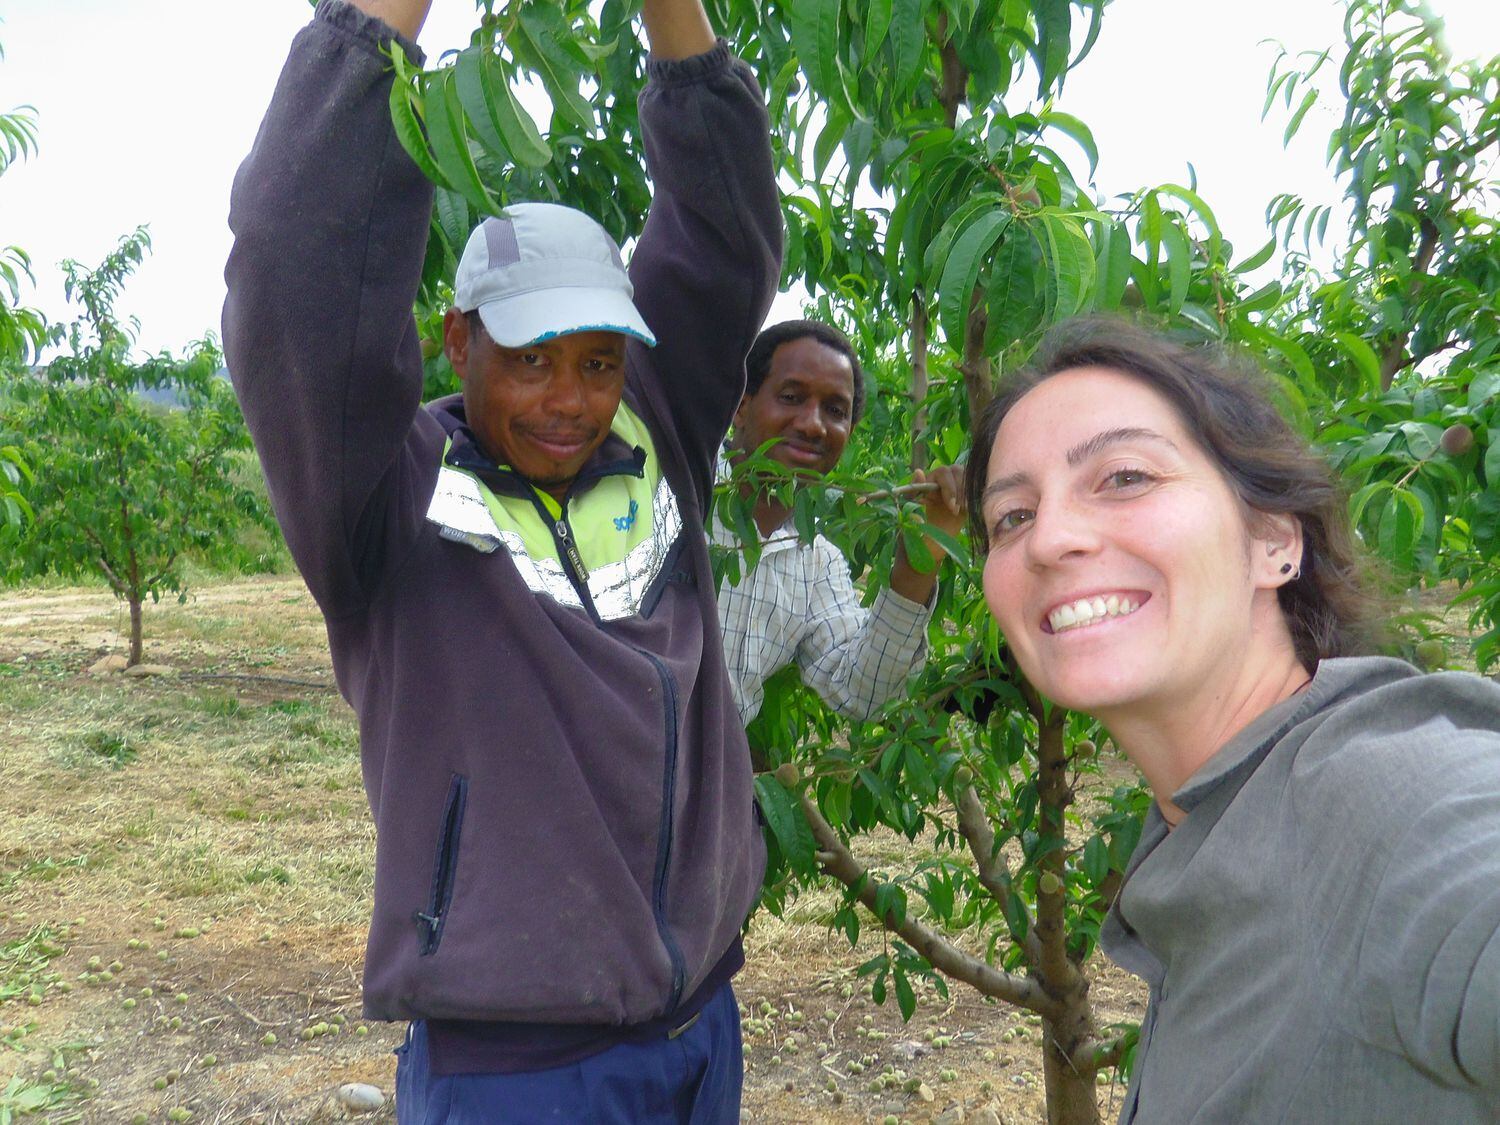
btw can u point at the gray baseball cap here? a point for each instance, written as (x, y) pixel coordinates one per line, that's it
(541, 270)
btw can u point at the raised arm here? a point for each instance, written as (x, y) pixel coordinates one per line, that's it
(677, 29)
(708, 261)
(404, 16)
(330, 219)
(857, 659)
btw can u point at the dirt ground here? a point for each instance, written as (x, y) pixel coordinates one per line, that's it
(185, 873)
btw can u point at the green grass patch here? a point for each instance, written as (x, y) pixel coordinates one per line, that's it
(24, 962)
(118, 750)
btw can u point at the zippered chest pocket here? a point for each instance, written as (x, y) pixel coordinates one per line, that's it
(445, 865)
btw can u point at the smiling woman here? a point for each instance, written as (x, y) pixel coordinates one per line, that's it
(1317, 888)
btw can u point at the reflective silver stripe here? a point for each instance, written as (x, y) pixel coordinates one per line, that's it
(617, 589)
(459, 510)
(542, 576)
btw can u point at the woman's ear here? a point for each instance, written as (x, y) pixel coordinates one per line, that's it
(1276, 554)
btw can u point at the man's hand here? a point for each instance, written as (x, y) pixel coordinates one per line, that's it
(945, 509)
(677, 29)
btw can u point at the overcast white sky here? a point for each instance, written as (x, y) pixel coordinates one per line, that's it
(147, 106)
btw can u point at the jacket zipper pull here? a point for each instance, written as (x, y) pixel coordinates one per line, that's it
(574, 558)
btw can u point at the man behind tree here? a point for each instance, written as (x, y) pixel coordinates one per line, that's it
(515, 580)
(805, 389)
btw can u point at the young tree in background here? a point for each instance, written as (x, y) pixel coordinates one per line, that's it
(123, 487)
(22, 330)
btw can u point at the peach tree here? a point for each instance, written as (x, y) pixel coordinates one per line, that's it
(124, 487)
(931, 213)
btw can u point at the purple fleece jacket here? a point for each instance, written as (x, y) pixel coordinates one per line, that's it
(564, 814)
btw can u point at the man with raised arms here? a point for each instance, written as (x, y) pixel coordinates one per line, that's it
(515, 580)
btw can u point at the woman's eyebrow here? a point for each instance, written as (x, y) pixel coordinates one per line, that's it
(1086, 449)
(1079, 453)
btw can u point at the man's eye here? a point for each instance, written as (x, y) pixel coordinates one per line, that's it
(531, 359)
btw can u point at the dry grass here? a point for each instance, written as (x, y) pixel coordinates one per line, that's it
(227, 800)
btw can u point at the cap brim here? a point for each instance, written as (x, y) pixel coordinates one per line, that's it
(530, 318)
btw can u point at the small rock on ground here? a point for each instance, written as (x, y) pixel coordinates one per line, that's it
(953, 1115)
(139, 670)
(986, 1116)
(357, 1097)
(108, 665)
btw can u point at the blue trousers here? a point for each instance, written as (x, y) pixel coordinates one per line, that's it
(693, 1079)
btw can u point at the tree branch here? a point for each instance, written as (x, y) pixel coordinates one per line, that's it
(1096, 1054)
(1057, 971)
(994, 872)
(1393, 354)
(837, 860)
(918, 380)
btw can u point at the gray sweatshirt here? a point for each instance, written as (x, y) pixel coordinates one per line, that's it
(1321, 933)
(562, 795)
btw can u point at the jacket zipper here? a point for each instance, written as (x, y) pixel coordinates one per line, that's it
(664, 833)
(444, 868)
(578, 575)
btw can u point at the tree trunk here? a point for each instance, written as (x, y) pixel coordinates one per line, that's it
(978, 370)
(1071, 1099)
(135, 632)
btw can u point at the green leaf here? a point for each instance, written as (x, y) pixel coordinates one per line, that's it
(1484, 387)
(1204, 212)
(785, 820)
(815, 38)
(504, 129)
(1421, 438)
(450, 142)
(1072, 127)
(1365, 362)
(538, 48)
(1096, 860)
(1259, 258)
(962, 270)
(918, 554)
(453, 218)
(1072, 259)
(1291, 126)
(1112, 265)
(1013, 287)
(409, 133)
(890, 903)
(906, 999)
(908, 39)
(1179, 267)
(1492, 461)
(1054, 22)
(877, 23)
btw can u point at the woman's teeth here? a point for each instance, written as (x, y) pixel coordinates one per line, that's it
(1087, 611)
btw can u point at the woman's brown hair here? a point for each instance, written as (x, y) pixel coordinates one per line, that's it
(1331, 607)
